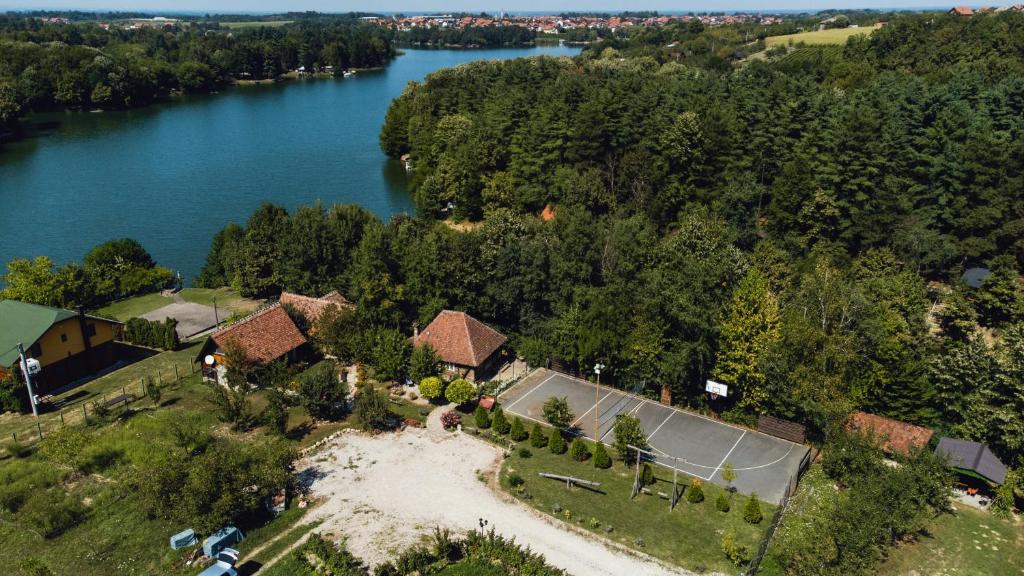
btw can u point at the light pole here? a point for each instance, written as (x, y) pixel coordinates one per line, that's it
(597, 400)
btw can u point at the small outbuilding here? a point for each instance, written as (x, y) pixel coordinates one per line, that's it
(972, 459)
(468, 348)
(266, 336)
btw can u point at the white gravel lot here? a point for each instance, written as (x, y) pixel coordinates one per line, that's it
(384, 493)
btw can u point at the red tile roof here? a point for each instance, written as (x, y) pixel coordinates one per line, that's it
(266, 335)
(458, 338)
(895, 436)
(313, 308)
(962, 10)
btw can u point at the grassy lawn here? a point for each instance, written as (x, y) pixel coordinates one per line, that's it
(689, 536)
(134, 307)
(833, 36)
(968, 542)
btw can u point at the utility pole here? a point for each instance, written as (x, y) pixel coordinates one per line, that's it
(597, 401)
(216, 320)
(28, 380)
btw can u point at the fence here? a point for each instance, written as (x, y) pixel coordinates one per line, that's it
(111, 399)
(794, 480)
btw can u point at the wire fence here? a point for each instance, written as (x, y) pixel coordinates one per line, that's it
(794, 480)
(103, 404)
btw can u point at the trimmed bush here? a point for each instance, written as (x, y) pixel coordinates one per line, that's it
(722, 503)
(154, 334)
(601, 457)
(752, 510)
(498, 421)
(431, 388)
(556, 444)
(646, 475)
(578, 450)
(524, 452)
(537, 437)
(518, 432)
(460, 391)
(735, 552)
(482, 418)
(695, 495)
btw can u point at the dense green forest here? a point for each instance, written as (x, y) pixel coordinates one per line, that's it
(82, 65)
(470, 36)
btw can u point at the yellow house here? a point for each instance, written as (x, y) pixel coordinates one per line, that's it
(68, 345)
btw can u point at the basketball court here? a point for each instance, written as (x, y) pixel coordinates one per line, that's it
(690, 443)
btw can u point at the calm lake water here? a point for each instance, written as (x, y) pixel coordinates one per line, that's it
(173, 174)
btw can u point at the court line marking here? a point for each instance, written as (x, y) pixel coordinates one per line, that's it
(535, 388)
(670, 415)
(727, 454)
(574, 422)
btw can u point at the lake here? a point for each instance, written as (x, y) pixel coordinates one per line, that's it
(171, 175)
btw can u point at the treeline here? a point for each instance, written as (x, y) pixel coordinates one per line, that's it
(43, 66)
(152, 333)
(469, 36)
(114, 269)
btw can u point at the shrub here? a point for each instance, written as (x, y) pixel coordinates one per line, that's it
(557, 412)
(153, 334)
(16, 449)
(323, 393)
(51, 512)
(736, 553)
(695, 495)
(628, 432)
(515, 480)
(601, 458)
(499, 423)
(556, 444)
(460, 391)
(153, 391)
(482, 418)
(537, 437)
(431, 388)
(518, 432)
(722, 503)
(524, 452)
(450, 419)
(372, 409)
(752, 510)
(423, 362)
(578, 450)
(646, 475)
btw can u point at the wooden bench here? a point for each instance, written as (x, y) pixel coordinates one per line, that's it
(126, 398)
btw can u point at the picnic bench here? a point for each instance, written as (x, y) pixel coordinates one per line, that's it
(126, 398)
(570, 480)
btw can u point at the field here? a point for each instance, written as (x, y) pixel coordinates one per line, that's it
(833, 36)
(256, 24)
(967, 542)
(134, 307)
(228, 301)
(689, 536)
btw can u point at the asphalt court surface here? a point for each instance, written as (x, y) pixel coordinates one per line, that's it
(690, 443)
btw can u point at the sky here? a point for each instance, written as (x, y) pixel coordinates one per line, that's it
(412, 6)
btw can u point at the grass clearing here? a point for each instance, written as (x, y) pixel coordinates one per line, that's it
(134, 307)
(689, 536)
(817, 37)
(968, 541)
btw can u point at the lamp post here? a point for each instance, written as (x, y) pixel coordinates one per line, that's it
(597, 400)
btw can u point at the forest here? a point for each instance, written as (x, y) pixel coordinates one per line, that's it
(82, 65)
(468, 36)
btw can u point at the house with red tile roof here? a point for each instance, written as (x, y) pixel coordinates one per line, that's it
(266, 336)
(313, 308)
(893, 436)
(961, 11)
(468, 348)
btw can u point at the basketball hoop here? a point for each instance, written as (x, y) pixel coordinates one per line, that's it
(714, 396)
(716, 389)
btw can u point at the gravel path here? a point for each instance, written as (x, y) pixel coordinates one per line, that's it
(385, 493)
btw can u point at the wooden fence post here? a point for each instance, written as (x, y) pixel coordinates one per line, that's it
(62, 418)
(40, 430)
(176, 377)
(14, 436)
(85, 415)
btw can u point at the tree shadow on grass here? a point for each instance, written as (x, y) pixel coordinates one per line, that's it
(299, 432)
(248, 568)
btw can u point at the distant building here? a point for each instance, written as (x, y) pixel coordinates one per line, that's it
(972, 458)
(468, 348)
(69, 345)
(313, 308)
(893, 436)
(266, 336)
(961, 11)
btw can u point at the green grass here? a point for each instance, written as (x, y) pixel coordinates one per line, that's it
(256, 24)
(689, 536)
(284, 541)
(226, 298)
(833, 36)
(968, 542)
(134, 307)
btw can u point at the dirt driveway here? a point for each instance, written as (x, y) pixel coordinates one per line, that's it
(385, 493)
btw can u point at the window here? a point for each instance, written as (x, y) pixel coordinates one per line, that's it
(36, 350)
(90, 330)
(63, 337)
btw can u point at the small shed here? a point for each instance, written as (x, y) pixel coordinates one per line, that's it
(975, 277)
(972, 459)
(224, 538)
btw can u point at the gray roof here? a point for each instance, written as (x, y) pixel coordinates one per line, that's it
(972, 456)
(975, 277)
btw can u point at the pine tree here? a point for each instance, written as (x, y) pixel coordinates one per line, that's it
(695, 495)
(537, 437)
(601, 457)
(498, 422)
(722, 503)
(518, 433)
(556, 444)
(578, 449)
(483, 420)
(752, 510)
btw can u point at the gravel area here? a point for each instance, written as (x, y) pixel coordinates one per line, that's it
(387, 492)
